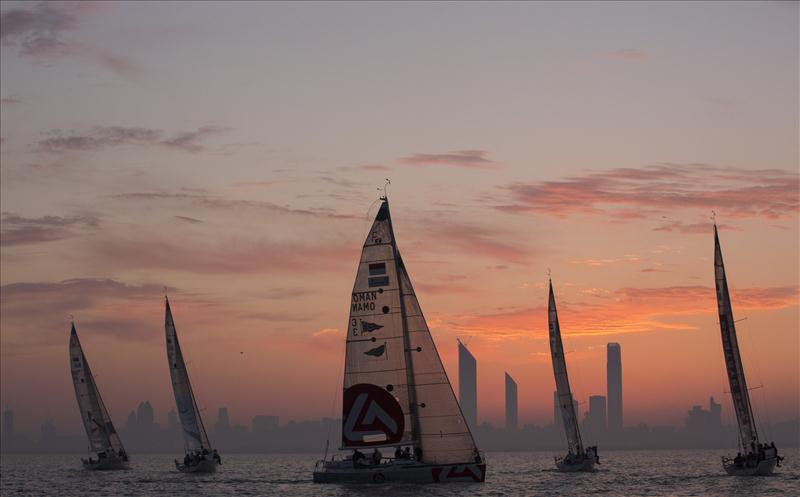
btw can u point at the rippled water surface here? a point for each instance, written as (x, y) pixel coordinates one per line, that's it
(657, 473)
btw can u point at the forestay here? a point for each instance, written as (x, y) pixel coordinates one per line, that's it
(748, 436)
(395, 388)
(95, 417)
(565, 402)
(194, 433)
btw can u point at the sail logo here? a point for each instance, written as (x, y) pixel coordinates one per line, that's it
(468, 472)
(372, 416)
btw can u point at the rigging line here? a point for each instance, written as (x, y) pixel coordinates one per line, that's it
(757, 366)
(336, 391)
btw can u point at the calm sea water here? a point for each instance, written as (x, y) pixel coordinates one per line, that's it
(633, 473)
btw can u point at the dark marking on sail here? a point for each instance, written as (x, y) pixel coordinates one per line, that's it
(379, 281)
(383, 212)
(367, 327)
(377, 351)
(377, 268)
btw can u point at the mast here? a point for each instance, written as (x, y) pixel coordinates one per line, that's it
(412, 388)
(565, 401)
(748, 436)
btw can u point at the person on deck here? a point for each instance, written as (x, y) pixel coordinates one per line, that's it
(407, 454)
(398, 453)
(217, 458)
(376, 457)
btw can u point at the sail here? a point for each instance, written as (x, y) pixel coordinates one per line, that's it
(95, 417)
(377, 405)
(194, 433)
(748, 436)
(444, 435)
(395, 388)
(565, 403)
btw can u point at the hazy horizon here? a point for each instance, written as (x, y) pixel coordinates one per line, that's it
(233, 156)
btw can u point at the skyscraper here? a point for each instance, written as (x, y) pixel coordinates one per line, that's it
(596, 422)
(8, 428)
(614, 387)
(468, 385)
(511, 403)
(223, 425)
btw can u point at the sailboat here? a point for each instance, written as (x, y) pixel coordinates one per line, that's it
(397, 395)
(754, 458)
(578, 458)
(200, 457)
(103, 438)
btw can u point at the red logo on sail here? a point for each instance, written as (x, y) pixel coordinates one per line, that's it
(372, 416)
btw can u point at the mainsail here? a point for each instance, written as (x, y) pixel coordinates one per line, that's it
(748, 437)
(564, 393)
(396, 390)
(194, 433)
(99, 428)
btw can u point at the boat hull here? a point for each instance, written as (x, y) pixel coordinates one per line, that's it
(764, 467)
(580, 465)
(204, 466)
(575, 467)
(105, 464)
(407, 472)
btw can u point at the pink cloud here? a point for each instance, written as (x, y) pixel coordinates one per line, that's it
(626, 192)
(469, 159)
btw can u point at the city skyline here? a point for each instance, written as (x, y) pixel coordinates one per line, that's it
(147, 146)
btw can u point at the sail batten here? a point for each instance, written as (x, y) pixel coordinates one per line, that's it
(194, 432)
(748, 436)
(563, 391)
(396, 391)
(96, 420)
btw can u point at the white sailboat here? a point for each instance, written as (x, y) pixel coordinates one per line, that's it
(103, 438)
(200, 457)
(396, 392)
(578, 458)
(754, 458)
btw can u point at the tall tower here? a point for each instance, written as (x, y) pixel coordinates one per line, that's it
(597, 417)
(8, 429)
(468, 385)
(511, 403)
(614, 387)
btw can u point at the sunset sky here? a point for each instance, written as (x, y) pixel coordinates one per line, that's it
(232, 153)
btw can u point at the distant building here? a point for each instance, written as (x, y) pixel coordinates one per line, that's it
(596, 420)
(511, 403)
(468, 385)
(223, 425)
(172, 421)
(700, 421)
(8, 429)
(614, 387)
(145, 416)
(262, 424)
(48, 436)
(714, 414)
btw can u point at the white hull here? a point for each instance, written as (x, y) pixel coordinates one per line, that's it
(105, 464)
(343, 471)
(204, 466)
(764, 467)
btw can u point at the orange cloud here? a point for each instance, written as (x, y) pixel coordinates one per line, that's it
(626, 310)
